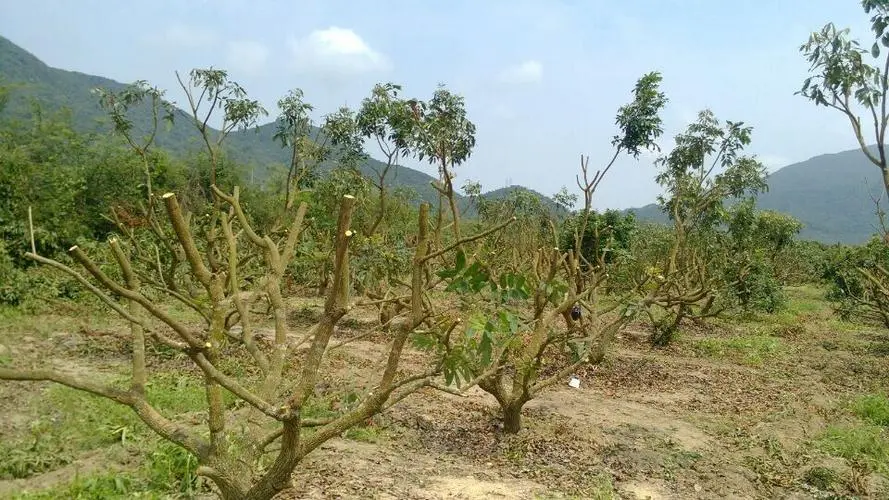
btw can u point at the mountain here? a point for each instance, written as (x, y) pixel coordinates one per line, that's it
(506, 192)
(32, 80)
(830, 194)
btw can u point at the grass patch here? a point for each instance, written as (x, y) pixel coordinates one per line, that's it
(364, 434)
(748, 349)
(108, 486)
(862, 444)
(168, 473)
(72, 422)
(873, 408)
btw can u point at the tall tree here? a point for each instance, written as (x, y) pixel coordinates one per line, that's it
(843, 79)
(445, 136)
(386, 118)
(293, 130)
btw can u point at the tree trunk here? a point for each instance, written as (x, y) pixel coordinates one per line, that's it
(512, 418)
(885, 172)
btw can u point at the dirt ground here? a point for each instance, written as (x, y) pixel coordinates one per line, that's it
(731, 410)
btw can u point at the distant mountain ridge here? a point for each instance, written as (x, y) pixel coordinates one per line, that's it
(54, 89)
(831, 194)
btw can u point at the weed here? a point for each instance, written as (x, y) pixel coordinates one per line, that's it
(171, 468)
(76, 418)
(676, 459)
(176, 393)
(842, 326)
(873, 408)
(108, 486)
(599, 486)
(20, 460)
(72, 422)
(823, 478)
(748, 349)
(306, 314)
(367, 434)
(879, 348)
(865, 445)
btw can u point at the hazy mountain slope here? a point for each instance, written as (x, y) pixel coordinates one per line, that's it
(34, 81)
(830, 194)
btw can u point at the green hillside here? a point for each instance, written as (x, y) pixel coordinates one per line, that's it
(505, 192)
(34, 81)
(830, 194)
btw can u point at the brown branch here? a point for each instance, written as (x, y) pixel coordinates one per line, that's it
(140, 373)
(247, 337)
(89, 286)
(235, 203)
(146, 412)
(467, 239)
(110, 284)
(335, 307)
(186, 240)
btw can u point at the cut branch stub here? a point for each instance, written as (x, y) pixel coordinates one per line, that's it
(341, 262)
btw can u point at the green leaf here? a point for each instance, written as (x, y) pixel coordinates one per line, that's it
(875, 50)
(485, 347)
(447, 273)
(424, 342)
(461, 258)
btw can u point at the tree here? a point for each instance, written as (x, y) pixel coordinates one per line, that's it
(534, 323)
(445, 137)
(119, 105)
(858, 284)
(704, 170)
(293, 130)
(4, 96)
(207, 91)
(229, 455)
(755, 240)
(844, 81)
(386, 118)
(235, 265)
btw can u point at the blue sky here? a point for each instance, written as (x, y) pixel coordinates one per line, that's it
(542, 79)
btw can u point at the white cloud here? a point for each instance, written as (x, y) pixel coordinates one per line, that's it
(247, 56)
(530, 71)
(338, 52)
(182, 36)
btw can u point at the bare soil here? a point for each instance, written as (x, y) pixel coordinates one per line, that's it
(682, 422)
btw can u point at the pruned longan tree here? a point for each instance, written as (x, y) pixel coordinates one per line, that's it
(706, 169)
(248, 448)
(235, 457)
(853, 80)
(531, 325)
